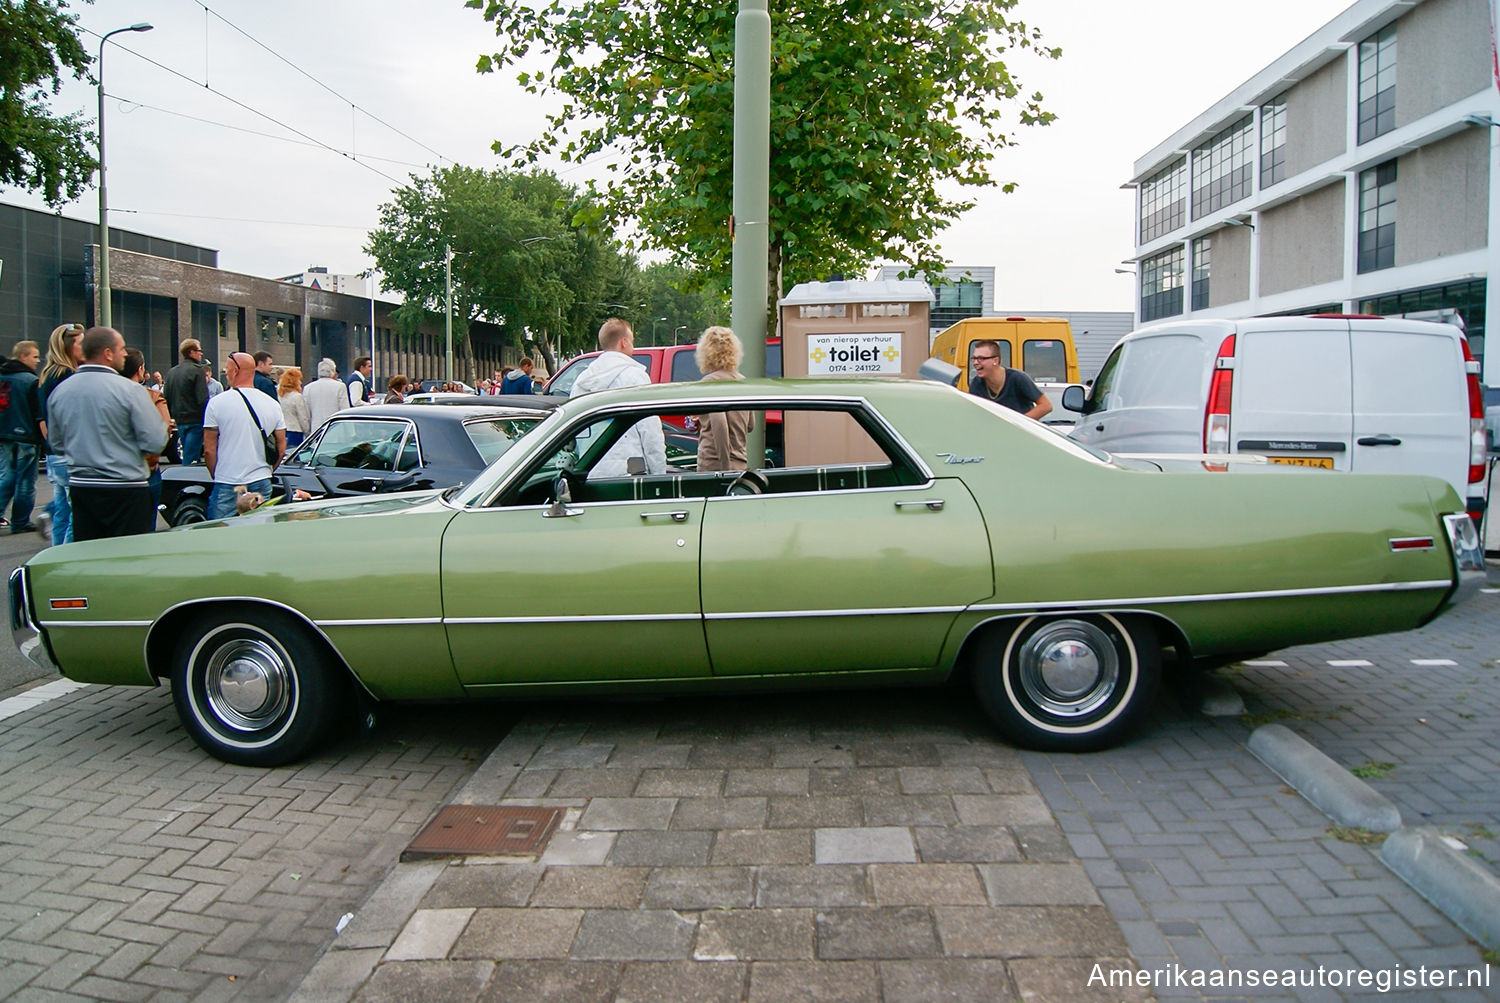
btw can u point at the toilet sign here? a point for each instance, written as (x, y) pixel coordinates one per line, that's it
(854, 354)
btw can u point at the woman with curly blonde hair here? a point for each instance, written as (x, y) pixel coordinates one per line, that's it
(64, 356)
(721, 435)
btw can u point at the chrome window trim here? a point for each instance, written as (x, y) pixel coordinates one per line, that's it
(758, 402)
(410, 433)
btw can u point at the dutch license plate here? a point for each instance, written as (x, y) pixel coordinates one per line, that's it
(1323, 462)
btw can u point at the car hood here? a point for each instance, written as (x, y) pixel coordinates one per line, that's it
(323, 508)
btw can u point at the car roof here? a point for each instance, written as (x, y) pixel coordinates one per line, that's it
(873, 387)
(446, 412)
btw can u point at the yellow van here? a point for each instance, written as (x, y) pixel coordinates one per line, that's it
(1042, 347)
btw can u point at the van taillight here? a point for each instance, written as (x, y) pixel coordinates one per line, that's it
(1216, 415)
(1478, 448)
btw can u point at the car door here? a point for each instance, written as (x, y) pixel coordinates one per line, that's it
(1292, 392)
(839, 566)
(596, 589)
(1411, 402)
(1148, 397)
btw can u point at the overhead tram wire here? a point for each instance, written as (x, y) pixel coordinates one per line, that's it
(371, 115)
(256, 132)
(255, 111)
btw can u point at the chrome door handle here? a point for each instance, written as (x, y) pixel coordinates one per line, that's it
(677, 516)
(931, 504)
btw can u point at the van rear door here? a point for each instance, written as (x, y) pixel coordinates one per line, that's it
(1410, 401)
(1292, 393)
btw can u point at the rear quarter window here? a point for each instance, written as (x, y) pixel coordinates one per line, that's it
(685, 368)
(1045, 360)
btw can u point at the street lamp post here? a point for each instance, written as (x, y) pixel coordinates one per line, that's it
(105, 317)
(655, 322)
(680, 327)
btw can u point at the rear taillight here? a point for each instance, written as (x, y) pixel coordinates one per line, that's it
(1216, 415)
(1478, 448)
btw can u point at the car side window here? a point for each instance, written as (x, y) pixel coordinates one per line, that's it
(363, 445)
(1102, 396)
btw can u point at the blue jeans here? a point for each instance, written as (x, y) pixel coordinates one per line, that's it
(17, 482)
(62, 506)
(221, 499)
(190, 438)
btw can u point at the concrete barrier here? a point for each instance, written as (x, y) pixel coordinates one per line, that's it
(1461, 889)
(1332, 789)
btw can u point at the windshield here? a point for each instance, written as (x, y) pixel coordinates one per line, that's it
(493, 436)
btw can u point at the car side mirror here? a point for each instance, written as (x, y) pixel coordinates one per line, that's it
(1072, 398)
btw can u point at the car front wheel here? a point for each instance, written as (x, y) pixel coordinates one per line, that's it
(1068, 683)
(253, 687)
(190, 510)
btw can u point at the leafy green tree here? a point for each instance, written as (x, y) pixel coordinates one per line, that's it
(521, 257)
(882, 111)
(40, 151)
(676, 298)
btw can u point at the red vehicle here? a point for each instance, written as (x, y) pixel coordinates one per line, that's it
(667, 364)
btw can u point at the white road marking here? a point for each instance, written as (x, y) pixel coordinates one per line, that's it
(37, 696)
(1489, 592)
(1350, 663)
(1433, 661)
(1266, 662)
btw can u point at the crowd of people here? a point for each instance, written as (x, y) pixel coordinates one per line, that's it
(101, 438)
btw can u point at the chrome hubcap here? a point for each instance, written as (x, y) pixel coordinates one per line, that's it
(1068, 668)
(247, 684)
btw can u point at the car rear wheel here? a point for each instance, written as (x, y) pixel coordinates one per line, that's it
(254, 687)
(1068, 683)
(190, 510)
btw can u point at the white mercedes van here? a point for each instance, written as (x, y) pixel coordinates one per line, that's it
(1371, 394)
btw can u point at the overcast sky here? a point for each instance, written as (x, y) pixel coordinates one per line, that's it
(1130, 75)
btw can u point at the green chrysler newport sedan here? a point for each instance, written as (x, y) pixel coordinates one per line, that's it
(912, 533)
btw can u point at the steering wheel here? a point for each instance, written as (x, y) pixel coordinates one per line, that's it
(749, 482)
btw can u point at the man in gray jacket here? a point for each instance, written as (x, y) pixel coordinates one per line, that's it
(104, 425)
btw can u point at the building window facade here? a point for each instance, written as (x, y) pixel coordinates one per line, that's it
(1163, 198)
(1377, 217)
(1222, 168)
(1202, 252)
(1161, 285)
(955, 301)
(1468, 298)
(1377, 84)
(1273, 141)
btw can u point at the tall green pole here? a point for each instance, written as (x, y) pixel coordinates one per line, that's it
(752, 185)
(448, 322)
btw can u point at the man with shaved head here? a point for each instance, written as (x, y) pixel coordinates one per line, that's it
(236, 426)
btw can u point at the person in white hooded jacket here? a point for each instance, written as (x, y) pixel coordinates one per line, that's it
(610, 371)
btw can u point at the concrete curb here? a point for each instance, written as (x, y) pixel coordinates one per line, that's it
(1462, 890)
(1332, 789)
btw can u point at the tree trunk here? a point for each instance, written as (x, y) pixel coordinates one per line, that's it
(549, 357)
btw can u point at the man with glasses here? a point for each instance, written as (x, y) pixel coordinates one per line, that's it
(186, 391)
(235, 428)
(1009, 387)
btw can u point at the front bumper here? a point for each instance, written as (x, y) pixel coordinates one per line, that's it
(23, 626)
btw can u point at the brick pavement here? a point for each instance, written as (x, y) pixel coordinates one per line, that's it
(135, 867)
(1207, 860)
(873, 846)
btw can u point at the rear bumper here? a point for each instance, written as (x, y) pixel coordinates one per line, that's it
(1468, 557)
(23, 626)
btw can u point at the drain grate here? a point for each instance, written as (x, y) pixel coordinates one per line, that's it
(493, 830)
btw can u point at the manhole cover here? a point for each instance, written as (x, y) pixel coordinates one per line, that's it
(493, 830)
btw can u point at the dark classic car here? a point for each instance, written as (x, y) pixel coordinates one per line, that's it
(368, 450)
(903, 541)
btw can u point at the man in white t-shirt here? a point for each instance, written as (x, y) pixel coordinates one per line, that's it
(234, 426)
